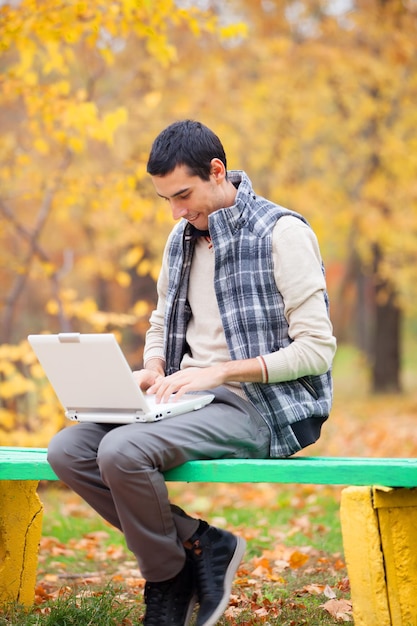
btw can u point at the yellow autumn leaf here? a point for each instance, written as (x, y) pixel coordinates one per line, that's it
(10, 352)
(234, 30)
(15, 386)
(70, 35)
(152, 99)
(47, 411)
(37, 371)
(85, 307)
(132, 256)
(298, 559)
(30, 79)
(77, 144)
(6, 368)
(110, 123)
(52, 307)
(7, 418)
(41, 145)
(48, 268)
(27, 52)
(123, 279)
(81, 115)
(54, 60)
(69, 294)
(261, 572)
(141, 308)
(144, 267)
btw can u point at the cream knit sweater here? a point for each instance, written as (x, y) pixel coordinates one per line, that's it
(300, 280)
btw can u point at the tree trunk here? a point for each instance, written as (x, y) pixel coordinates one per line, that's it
(378, 321)
(386, 364)
(387, 351)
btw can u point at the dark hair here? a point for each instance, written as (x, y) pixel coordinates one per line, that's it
(185, 143)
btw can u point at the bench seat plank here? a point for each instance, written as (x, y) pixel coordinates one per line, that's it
(32, 464)
(25, 464)
(308, 470)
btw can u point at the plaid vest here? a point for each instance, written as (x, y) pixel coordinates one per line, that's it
(251, 308)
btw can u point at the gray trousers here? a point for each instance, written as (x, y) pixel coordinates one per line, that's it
(118, 471)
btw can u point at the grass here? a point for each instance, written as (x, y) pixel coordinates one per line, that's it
(70, 609)
(264, 507)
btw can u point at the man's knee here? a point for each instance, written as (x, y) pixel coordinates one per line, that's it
(56, 450)
(63, 453)
(72, 444)
(115, 454)
(118, 455)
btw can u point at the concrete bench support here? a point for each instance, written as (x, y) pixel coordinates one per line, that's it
(380, 544)
(20, 534)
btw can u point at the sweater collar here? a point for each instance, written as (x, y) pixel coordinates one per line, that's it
(234, 217)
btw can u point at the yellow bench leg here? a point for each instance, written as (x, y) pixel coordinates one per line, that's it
(20, 532)
(380, 541)
(397, 514)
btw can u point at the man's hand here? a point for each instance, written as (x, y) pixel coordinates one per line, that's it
(196, 378)
(147, 377)
(190, 379)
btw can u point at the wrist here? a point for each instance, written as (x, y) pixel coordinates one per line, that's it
(264, 368)
(244, 371)
(155, 365)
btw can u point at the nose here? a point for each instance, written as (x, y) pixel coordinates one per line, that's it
(177, 210)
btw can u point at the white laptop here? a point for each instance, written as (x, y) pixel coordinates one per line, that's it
(94, 383)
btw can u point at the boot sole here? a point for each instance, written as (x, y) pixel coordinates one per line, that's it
(228, 582)
(190, 610)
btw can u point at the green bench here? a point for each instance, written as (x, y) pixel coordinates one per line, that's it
(378, 518)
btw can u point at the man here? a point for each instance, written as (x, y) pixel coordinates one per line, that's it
(242, 311)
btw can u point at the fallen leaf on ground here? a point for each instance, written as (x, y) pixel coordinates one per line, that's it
(339, 609)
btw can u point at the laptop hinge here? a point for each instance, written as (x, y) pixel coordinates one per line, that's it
(69, 337)
(106, 415)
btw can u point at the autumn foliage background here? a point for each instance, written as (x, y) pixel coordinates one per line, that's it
(315, 99)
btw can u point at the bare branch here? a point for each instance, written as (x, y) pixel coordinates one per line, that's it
(34, 248)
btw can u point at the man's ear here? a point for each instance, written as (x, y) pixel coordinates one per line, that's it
(218, 169)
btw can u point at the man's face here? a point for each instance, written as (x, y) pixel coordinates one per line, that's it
(191, 197)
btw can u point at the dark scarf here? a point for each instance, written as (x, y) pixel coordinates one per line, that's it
(176, 326)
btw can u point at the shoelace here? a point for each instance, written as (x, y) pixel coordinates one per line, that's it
(158, 608)
(203, 565)
(154, 599)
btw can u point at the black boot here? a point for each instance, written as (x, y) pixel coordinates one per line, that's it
(171, 602)
(216, 554)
